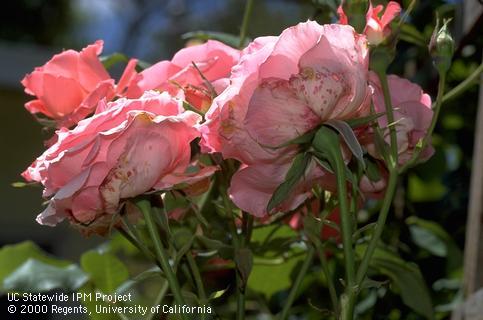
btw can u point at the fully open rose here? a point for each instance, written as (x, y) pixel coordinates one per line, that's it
(126, 149)
(70, 85)
(324, 76)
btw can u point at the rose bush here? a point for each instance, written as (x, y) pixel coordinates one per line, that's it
(244, 160)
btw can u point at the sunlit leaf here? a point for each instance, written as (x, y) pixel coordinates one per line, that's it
(13, 256)
(37, 276)
(106, 271)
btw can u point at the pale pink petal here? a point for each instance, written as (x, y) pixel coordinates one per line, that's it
(276, 115)
(151, 78)
(291, 45)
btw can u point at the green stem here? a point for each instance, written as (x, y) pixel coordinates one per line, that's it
(145, 208)
(297, 283)
(381, 221)
(390, 118)
(199, 283)
(463, 86)
(244, 241)
(237, 244)
(330, 281)
(246, 19)
(128, 235)
(346, 224)
(240, 299)
(197, 276)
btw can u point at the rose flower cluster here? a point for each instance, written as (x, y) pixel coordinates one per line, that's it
(116, 141)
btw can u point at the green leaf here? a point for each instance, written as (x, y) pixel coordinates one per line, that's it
(303, 139)
(294, 174)
(411, 34)
(37, 276)
(425, 191)
(189, 107)
(244, 264)
(226, 38)
(428, 240)
(112, 59)
(217, 294)
(91, 304)
(106, 270)
(358, 122)
(349, 137)
(405, 276)
(272, 240)
(149, 274)
(13, 256)
(118, 243)
(269, 279)
(225, 251)
(454, 254)
(183, 240)
(21, 184)
(372, 169)
(325, 142)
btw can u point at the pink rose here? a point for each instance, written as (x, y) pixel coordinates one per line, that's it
(282, 88)
(412, 116)
(130, 148)
(213, 59)
(70, 85)
(377, 26)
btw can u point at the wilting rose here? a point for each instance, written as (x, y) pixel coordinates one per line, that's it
(214, 61)
(412, 116)
(377, 26)
(70, 85)
(126, 149)
(282, 88)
